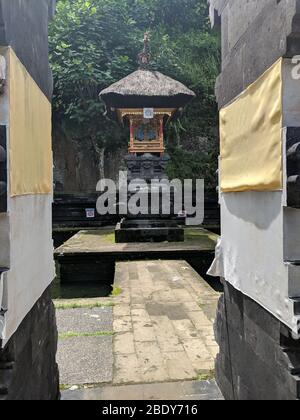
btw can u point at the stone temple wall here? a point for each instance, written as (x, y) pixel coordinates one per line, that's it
(257, 325)
(28, 333)
(255, 34)
(258, 359)
(28, 369)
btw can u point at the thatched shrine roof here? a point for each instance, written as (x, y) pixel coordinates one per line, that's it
(147, 88)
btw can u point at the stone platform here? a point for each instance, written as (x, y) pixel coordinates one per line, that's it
(136, 230)
(91, 256)
(153, 339)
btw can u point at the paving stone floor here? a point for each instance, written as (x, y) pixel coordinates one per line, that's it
(155, 339)
(163, 320)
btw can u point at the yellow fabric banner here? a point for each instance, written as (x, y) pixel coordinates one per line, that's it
(251, 136)
(30, 152)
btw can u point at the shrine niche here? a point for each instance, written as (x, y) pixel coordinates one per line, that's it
(146, 135)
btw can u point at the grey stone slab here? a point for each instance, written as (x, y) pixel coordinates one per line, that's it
(173, 391)
(201, 388)
(85, 320)
(85, 360)
(172, 311)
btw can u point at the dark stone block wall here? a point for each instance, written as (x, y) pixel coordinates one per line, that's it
(28, 370)
(24, 27)
(255, 34)
(293, 166)
(258, 359)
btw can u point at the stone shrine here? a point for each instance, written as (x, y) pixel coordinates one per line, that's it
(147, 100)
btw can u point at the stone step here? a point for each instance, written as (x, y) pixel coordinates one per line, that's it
(171, 391)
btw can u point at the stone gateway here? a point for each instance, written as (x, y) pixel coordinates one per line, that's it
(257, 325)
(28, 334)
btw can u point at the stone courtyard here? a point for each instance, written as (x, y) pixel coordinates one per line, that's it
(155, 329)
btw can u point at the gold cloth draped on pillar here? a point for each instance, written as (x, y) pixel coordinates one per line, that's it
(251, 136)
(30, 151)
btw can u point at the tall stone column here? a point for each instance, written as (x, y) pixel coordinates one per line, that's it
(28, 333)
(258, 91)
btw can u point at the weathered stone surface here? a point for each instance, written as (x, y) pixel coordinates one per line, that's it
(129, 231)
(256, 361)
(3, 169)
(85, 360)
(24, 27)
(91, 255)
(124, 343)
(28, 370)
(86, 357)
(80, 165)
(170, 391)
(293, 166)
(252, 41)
(155, 340)
(147, 167)
(84, 320)
(165, 335)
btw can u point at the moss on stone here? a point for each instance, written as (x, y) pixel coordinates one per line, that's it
(206, 376)
(81, 305)
(72, 334)
(110, 238)
(116, 291)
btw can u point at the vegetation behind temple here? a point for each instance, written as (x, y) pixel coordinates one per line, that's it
(95, 43)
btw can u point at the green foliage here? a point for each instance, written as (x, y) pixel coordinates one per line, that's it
(94, 43)
(81, 305)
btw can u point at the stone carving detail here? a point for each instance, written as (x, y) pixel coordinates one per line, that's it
(144, 57)
(293, 167)
(3, 170)
(147, 167)
(2, 74)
